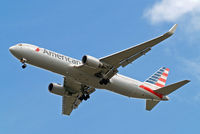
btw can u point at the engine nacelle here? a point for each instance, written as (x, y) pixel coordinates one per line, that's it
(92, 61)
(56, 89)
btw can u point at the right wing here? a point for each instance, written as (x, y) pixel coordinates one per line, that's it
(72, 101)
(69, 103)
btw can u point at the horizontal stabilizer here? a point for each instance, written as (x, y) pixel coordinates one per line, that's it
(171, 88)
(150, 104)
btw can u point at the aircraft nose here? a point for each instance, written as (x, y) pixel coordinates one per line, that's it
(12, 49)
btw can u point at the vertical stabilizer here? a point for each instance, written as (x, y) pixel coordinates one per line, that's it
(159, 78)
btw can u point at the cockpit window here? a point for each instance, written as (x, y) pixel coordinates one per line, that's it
(28, 45)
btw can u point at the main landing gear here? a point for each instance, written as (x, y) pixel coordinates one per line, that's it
(104, 81)
(23, 61)
(85, 95)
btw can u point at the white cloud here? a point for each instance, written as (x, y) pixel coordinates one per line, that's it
(175, 10)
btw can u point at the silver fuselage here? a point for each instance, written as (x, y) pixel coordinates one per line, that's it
(66, 66)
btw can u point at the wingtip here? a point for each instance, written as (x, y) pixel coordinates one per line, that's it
(148, 110)
(187, 81)
(173, 29)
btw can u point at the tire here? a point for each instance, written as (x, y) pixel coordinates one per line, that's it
(81, 98)
(24, 66)
(101, 82)
(87, 96)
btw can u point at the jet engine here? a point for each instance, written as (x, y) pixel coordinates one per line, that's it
(92, 61)
(56, 89)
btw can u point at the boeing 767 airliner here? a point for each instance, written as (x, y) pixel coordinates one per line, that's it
(82, 77)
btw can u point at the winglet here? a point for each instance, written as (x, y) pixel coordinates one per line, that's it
(173, 29)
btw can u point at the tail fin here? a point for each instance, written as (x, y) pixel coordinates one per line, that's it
(157, 83)
(159, 78)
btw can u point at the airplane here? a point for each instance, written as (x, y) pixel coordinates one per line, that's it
(82, 78)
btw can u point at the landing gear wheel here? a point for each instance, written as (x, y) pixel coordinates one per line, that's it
(23, 61)
(81, 98)
(87, 96)
(24, 66)
(104, 81)
(84, 97)
(101, 82)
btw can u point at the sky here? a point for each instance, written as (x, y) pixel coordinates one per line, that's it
(99, 28)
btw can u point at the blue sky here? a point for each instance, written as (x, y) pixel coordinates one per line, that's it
(99, 28)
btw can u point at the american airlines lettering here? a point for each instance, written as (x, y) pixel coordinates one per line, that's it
(62, 57)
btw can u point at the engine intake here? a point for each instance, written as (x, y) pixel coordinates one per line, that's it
(56, 89)
(92, 61)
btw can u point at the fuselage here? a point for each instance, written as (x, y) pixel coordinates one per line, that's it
(67, 66)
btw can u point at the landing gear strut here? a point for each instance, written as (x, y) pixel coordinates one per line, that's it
(23, 61)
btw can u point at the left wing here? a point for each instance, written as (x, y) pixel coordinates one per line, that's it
(105, 68)
(127, 56)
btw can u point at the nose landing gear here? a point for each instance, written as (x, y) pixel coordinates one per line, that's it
(24, 66)
(23, 61)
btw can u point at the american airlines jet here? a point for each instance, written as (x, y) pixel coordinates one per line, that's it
(81, 78)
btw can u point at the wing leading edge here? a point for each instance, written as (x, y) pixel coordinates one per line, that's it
(110, 64)
(127, 56)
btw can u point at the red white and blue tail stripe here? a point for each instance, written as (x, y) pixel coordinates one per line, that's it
(159, 78)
